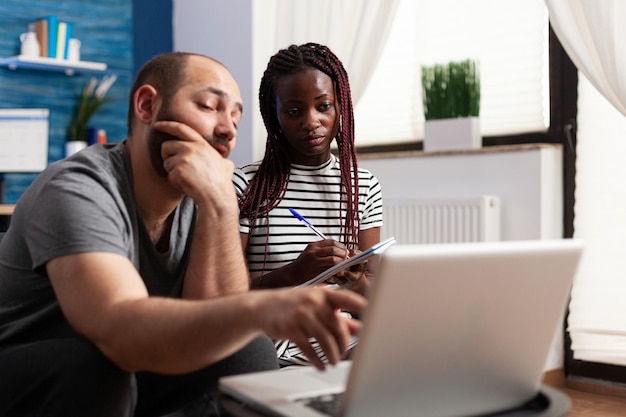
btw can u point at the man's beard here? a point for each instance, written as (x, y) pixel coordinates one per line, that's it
(156, 139)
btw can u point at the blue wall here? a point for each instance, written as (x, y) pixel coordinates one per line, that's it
(152, 29)
(105, 28)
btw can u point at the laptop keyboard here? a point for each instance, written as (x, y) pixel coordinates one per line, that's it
(327, 404)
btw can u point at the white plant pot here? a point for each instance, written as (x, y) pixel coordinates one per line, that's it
(74, 146)
(452, 134)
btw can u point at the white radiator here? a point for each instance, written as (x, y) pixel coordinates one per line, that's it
(442, 220)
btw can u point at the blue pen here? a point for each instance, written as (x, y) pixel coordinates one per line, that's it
(308, 223)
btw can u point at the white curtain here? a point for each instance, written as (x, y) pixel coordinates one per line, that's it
(594, 35)
(355, 30)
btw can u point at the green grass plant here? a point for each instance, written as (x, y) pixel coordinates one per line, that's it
(451, 90)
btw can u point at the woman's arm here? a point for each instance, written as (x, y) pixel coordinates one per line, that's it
(360, 282)
(315, 259)
(367, 239)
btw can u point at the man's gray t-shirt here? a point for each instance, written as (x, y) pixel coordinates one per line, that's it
(80, 204)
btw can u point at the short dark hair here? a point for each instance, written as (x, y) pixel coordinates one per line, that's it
(165, 73)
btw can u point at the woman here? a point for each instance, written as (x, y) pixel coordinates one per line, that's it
(306, 104)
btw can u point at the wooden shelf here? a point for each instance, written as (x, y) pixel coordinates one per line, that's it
(51, 64)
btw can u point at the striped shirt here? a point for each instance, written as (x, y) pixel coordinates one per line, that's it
(314, 191)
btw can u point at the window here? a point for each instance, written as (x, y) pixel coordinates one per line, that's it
(596, 319)
(510, 41)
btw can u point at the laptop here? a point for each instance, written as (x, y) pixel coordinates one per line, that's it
(459, 329)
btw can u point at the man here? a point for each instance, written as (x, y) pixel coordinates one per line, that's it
(123, 287)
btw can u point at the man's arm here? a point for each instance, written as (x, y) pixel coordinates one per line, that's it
(216, 264)
(105, 300)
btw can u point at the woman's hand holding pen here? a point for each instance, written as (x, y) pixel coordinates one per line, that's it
(317, 257)
(320, 255)
(354, 278)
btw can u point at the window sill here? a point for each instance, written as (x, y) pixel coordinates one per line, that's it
(483, 150)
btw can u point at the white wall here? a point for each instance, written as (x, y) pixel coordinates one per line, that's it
(222, 30)
(528, 180)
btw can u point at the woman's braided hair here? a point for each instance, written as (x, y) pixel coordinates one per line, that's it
(268, 186)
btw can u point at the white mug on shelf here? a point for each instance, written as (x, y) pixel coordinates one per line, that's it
(30, 44)
(71, 147)
(73, 50)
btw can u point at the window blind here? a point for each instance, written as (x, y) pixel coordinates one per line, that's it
(597, 315)
(509, 39)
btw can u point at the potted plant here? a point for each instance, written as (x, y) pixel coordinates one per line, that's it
(92, 98)
(451, 94)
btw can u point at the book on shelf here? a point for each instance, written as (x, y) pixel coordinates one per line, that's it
(40, 27)
(64, 33)
(53, 36)
(52, 21)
